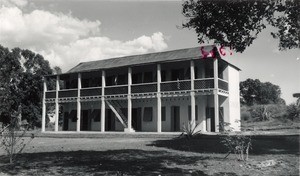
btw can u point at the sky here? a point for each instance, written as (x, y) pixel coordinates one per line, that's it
(67, 32)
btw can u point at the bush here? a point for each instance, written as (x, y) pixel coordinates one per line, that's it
(245, 116)
(190, 129)
(236, 143)
(266, 112)
(293, 111)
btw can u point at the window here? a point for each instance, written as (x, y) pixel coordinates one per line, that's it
(148, 114)
(190, 113)
(163, 113)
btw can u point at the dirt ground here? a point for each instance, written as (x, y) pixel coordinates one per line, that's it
(149, 156)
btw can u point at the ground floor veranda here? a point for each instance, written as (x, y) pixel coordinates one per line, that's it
(175, 112)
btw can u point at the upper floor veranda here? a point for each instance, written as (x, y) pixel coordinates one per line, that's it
(172, 73)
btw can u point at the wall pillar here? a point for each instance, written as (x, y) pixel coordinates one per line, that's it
(129, 103)
(192, 94)
(78, 103)
(103, 102)
(216, 96)
(44, 105)
(56, 104)
(158, 95)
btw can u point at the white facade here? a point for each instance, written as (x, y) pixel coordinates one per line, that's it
(153, 97)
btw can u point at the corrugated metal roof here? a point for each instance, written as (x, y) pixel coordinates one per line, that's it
(160, 57)
(180, 54)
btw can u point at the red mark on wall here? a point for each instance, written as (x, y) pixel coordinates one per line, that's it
(222, 51)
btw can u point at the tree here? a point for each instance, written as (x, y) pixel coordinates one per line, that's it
(21, 73)
(256, 92)
(237, 23)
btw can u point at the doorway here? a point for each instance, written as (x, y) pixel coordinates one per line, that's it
(109, 120)
(85, 120)
(136, 119)
(66, 121)
(175, 118)
(210, 119)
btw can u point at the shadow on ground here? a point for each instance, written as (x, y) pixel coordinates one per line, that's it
(207, 144)
(111, 162)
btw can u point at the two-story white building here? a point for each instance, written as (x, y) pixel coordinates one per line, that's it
(156, 92)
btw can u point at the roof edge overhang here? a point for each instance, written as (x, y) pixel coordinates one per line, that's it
(148, 63)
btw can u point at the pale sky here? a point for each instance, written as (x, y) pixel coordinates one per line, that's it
(67, 32)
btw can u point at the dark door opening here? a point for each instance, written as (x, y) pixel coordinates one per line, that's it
(175, 118)
(137, 119)
(66, 121)
(109, 120)
(210, 119)
(84, 120)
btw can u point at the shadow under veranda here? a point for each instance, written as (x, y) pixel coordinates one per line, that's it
(208, 144)
(111, 162)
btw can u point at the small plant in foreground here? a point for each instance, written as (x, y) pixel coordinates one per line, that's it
(190, 129)
(12, 138)
(236, 142)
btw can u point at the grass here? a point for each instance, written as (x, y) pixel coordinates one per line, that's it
(150, 156)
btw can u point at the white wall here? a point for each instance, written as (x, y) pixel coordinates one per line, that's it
(234, 98)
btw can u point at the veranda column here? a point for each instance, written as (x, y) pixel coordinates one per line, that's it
(56, 104)
(78, 103)
(103, 102)
(193, 103)
(44, 104)
(129, 103)
(158, 98)
(216, 96)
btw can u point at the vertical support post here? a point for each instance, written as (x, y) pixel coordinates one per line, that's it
(56, 104)
(158, 98)
(129, 102)
(44, 104)
(216, 96)
(192, 93)
(103, 102)
(78, 103)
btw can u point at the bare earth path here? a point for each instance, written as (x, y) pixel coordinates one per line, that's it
(145, 156)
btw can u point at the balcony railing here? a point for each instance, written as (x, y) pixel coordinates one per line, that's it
(223, 84)
(207, 83)
(51, 94)
(91, 91)
(176, 85)
(144, 88)
(67, 93)
(180, 85)
(118, 89)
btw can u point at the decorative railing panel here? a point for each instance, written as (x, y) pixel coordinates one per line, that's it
(223, 84)
(50, 94)
(114, 90)
(92, 91)
(67, 93)
(143, 88)
(204, 83)
(176, 85)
